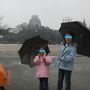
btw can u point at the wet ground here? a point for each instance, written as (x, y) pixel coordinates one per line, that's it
(23, 77)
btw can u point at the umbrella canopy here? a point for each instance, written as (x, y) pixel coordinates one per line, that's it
(84, 45)
(30, 48)
(82, 36)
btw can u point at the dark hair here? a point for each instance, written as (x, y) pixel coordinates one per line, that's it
(72, 34)
(40, 47)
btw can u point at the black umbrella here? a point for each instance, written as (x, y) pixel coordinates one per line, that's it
(30, 48)
(82, 36)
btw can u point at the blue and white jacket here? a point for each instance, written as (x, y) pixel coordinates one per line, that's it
(66, 56)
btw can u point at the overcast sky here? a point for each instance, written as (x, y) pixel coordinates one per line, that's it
(50, 12)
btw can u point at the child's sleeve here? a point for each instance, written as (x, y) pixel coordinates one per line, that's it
(48, 59)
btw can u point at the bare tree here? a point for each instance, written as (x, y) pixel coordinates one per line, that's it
(67, 19)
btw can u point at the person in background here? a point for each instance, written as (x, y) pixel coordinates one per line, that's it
(2, 77)
(42, 62)
(65, 60)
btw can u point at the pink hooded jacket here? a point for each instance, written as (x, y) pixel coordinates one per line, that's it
(42, 69)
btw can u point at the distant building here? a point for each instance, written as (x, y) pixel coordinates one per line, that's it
(34, 21)
(13, 30)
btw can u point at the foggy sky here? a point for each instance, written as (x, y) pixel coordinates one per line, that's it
(50, 12)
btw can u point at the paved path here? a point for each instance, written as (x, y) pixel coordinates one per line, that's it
(23, 77)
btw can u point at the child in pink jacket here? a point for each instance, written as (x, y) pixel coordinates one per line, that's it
(42, 62)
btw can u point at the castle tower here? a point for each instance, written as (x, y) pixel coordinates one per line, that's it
(34, 21)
